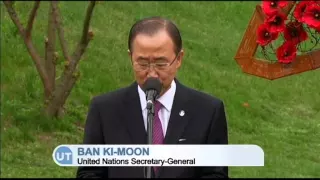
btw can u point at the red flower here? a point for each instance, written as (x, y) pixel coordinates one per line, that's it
(311, 16)
(276, 22)
(300, 9)
(270, 7)
(315, 1)
(295, 32)
(287, 52)
(265, 36)
(317, 29)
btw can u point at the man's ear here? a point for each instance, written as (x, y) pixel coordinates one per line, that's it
(130, 55)
(180, 58)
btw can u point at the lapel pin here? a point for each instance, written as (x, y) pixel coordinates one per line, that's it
(182, 113)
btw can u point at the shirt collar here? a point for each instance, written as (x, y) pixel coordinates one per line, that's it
(166, 99)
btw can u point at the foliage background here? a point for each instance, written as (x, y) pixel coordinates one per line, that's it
(282, 116)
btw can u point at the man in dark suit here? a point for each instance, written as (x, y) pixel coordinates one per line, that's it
(184, 115)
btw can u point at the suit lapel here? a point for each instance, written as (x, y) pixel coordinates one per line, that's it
(179, 118)
(133, 116)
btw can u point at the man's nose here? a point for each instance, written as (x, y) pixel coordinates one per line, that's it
(152, 73)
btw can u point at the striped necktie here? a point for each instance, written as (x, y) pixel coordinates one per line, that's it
(157, 125)
(158, 136)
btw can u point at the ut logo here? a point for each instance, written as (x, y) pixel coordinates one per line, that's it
(63, 155)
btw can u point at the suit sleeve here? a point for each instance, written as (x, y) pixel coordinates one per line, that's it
(218, 134)
(92, 135)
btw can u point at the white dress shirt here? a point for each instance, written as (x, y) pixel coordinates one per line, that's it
(166, 100)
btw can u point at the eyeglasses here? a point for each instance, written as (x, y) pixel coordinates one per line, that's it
(159, 66)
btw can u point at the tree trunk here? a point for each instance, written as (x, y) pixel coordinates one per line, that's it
(55, 94)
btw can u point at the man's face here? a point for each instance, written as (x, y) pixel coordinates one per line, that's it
(159, 50)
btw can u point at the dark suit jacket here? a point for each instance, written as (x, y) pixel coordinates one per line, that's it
(116, 118)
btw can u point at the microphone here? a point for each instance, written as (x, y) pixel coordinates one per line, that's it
(152, 88)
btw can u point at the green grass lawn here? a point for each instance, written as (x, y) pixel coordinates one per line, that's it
(283, 116)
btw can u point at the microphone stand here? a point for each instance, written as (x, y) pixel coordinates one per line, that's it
(150, 118)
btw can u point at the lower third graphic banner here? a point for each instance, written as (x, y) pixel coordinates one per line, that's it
(158, 155)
